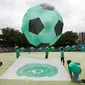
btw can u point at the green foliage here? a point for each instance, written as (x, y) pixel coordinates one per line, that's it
(68, 38)
(13, 37)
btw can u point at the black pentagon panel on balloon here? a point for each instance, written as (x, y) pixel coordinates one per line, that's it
(58, 28)
(47, 7)
(43, 44)
(35, 26)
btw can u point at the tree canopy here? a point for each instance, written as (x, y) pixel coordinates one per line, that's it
(68, 38)
(11, 37)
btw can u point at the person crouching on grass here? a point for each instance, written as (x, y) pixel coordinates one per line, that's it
(17, 52)
(74, 71)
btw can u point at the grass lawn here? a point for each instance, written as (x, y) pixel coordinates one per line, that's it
(9, 58)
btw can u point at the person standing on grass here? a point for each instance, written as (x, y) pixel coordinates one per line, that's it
(46, 52)
(62, 56)
(17, 52)
(74, 71)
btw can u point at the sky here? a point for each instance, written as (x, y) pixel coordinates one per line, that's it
(72, 12)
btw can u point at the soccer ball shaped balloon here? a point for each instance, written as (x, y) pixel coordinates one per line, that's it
(42, 24)
(82, 49)
(40, 49)
(31, 49)
(73, 48)
(67, 48)
(53, 49)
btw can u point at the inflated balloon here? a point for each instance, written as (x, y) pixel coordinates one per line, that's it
(82, 49)
(31, 49)
(22, 49)
(40, 50)
(73, 48)
(42, 24)
(67, 48)
(53, 49)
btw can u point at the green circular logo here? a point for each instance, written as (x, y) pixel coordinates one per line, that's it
(37, 70)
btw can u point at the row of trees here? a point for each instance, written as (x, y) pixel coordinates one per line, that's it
(11, 37)
(68, 38)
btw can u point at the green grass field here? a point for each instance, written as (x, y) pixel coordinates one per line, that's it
(9, 58)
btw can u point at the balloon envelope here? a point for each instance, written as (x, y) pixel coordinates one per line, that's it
(52, 49)
(42, 24)
(67, 48)
(40, 49)
(31, 49)
(83, 49)
(22, 49)
(73, 48)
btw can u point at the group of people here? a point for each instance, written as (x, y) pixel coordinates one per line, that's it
(73, 67)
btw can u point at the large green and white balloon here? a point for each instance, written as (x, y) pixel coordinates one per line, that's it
(22, 49)
(82, 49)
(73, 48)
(40, 49)
(52, 49)
(67, 48)
(31, 49)
(42, 24)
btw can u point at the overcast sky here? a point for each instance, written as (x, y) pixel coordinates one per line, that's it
(72, 11)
